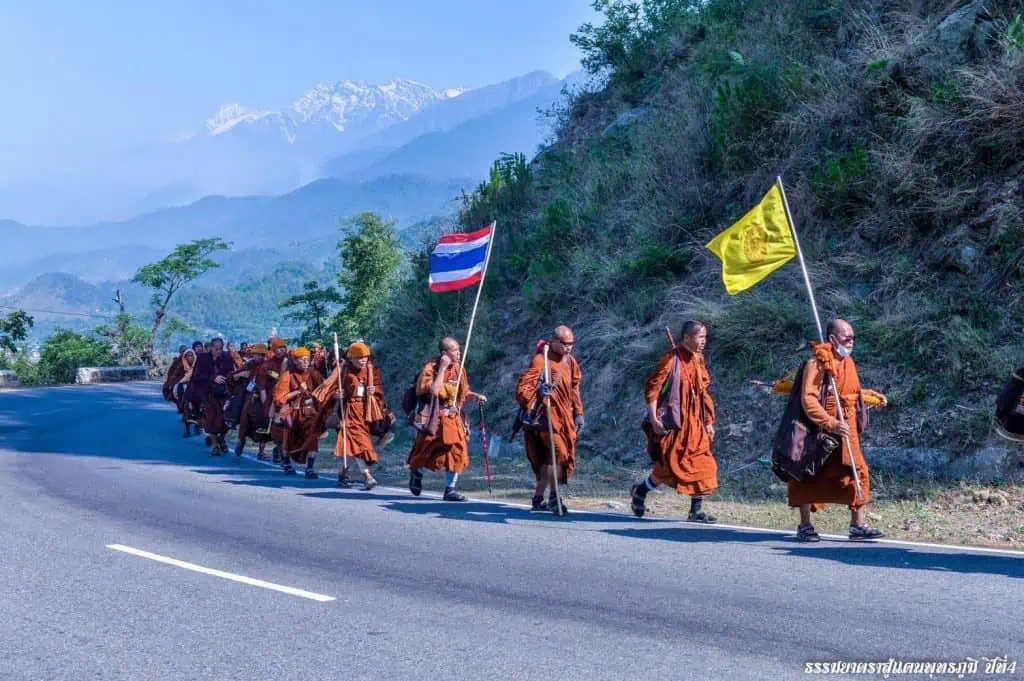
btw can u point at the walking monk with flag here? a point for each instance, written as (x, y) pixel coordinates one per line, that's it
(843, 479)
(680, 426)
(566, 414)
(442, 441)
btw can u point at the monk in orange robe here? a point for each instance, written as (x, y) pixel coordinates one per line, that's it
(211, 380)
(174, 374)
(680, 426)
(835, 483)
(566, 414)
(442, 395)
(266, 380)
(361, 381)
(190, 403)
(251, 418)
(298, 410)
(318, 359)
(236, 356)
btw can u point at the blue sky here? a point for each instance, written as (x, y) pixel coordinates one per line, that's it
(82, 79)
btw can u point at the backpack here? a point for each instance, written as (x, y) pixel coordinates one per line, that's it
(410, 400)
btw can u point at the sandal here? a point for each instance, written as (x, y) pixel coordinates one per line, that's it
(701, 517)
(452, 495)
(638, 501)
(807, 533)
(861, 532)
(415, 483)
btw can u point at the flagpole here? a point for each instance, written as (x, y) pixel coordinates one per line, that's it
(472, 316)
(821, 334)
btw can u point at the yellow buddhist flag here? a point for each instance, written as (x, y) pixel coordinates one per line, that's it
(757, 245)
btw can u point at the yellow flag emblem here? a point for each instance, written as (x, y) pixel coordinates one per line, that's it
(757, 245)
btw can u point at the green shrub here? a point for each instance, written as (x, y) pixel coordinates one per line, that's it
(66, 351)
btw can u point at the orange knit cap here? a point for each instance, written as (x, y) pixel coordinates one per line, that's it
(277, 343)
(300, 352)
(258, 349)
(358, 351)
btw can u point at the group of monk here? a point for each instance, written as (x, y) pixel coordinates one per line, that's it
(281, 396)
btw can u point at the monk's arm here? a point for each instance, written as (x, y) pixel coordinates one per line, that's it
(577, 396)
(814, 376)
(526, 391)
(425, 385)
(281, 391)
(657, 378)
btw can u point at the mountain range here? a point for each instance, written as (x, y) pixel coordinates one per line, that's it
(274, 182)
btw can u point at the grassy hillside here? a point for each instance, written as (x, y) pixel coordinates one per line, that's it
(898, 130)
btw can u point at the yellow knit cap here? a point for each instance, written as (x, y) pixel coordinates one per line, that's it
(300, 352)
(358, 351)
(258, 349)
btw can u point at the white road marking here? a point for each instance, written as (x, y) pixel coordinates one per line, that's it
(692, 526)
(223, 575)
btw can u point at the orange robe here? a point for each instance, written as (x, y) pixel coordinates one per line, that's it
(682, 457)
(834, 483)
(449, 449)
(267, 379)
(174, 374)
(253, 414)
(566, 405)
(237, 359)
(355, 440)
(303, 437)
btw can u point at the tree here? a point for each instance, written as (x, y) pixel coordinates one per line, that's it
(129, 342)
(66, 351)
(13, 328)
(176, 326)
(186, 263)
(313, 309)
(370, 258)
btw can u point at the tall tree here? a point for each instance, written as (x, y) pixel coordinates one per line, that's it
(186, 263)
(129, 342)
(313, 309)
(13, 328)
(370, 258)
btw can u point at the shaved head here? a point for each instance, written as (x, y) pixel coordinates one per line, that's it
(447, 343)
(838, 327)
(691, 327)
(562, 340)
(695, 336)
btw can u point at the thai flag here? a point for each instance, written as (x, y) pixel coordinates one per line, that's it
(459, 260)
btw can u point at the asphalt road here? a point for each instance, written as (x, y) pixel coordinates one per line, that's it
(421, 589)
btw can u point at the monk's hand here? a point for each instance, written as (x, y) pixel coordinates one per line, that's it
(711, 431)
(657, 426)
(844, 429)
(580, 423)
(371, 389)
(220, 380)
(482, 399)
(445, 362)
(546, 389)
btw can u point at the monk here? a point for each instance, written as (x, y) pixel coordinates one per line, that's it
(236, 356)
(191, 402)
(448, 447)
(174, 374)
(318, 359)
(680, 426)
(361, 382)
(566, 414)
(212, 374)
(253, 416)
(266, 380)
(835, 483)
(297, 410)
(244, 350)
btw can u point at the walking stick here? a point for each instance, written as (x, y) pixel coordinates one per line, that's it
(486, 442)
(551, 436)
(341, 408)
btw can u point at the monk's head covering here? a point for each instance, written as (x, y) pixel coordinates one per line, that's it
(277, 343)
(258, 349)
(300, 352)
(358, 351)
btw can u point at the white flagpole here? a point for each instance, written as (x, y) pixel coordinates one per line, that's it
(472, 316)
(821, 334)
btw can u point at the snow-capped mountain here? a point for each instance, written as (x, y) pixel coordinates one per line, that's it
(351, 108)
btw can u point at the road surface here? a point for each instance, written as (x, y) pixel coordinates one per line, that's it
(129, 553)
